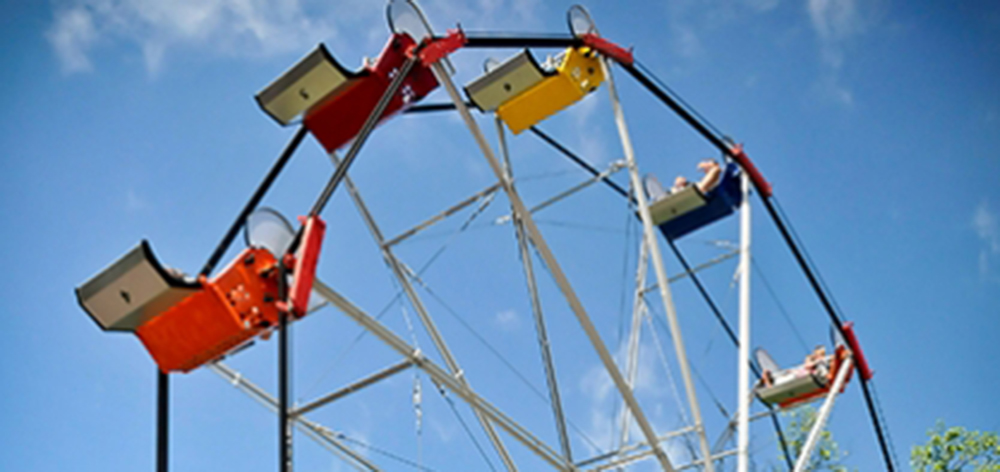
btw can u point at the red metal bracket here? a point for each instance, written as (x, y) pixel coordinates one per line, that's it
(305, 264)
(440, 48)
(608, 48)
(859, 357)
(763, 186)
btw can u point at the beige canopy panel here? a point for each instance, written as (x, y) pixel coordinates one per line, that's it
(676, 204)
(304, 85)
(132, 290)
(506, 81)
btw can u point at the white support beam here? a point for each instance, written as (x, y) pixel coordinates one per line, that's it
(400, 273)
(623, 451)
(715, 457)
(661, 272)
(743, 394)
(317, 432)
(614, 167)
(353, 387)
(634, 336)
(536, 310)
(731, 427)
(487, 193)
(535, 236)
(450, 381)
(823, 415)
(694, 270)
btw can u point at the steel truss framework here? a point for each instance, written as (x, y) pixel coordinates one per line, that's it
(452, 378)
(450, 374)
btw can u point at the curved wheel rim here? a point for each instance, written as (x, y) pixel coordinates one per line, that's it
(579, 21)
(404, 16)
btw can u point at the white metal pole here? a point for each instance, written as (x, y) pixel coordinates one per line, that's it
(661, 272)
(634, 336)
(316, 431)
(743, 395)
(425, 317)
(535, 236)
(441, 376)
(823, 415)
(551, 380)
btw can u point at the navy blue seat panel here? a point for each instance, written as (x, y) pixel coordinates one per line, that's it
(721, 202)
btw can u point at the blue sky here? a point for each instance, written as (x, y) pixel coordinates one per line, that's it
(126, 119)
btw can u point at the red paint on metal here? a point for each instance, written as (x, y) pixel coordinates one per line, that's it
(305, 264)
(608, 48)
(763, 186)
(339, 118)
(859, 356)
(442, 47)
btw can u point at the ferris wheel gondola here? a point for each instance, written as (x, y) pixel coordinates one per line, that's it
(689, 208)
(803, 383)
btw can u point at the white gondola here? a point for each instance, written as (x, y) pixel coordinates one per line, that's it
(799, 384)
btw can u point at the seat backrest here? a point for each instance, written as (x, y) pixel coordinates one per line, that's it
(132, 290)
(765, 361)
(654, 190)
(505, 81)
(676, 204)
(304, 85)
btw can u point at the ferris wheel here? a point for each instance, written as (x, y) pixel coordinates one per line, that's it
(203, 322)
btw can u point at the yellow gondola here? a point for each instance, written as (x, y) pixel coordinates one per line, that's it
(524, 93)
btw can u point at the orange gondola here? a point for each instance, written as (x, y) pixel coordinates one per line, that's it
(802, 383)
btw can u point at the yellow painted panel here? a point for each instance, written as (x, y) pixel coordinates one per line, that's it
(579, 73)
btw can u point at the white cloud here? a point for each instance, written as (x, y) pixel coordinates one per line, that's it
(133, 202)
(72, 35)
(507, 320)
(444, 431)
(984, 221)
(691, 22)
(494, 15)
(224, 27)
(835, 21)
(838, 23)
(686, 42)
(247, 28)
(830, 89)
(605, 402)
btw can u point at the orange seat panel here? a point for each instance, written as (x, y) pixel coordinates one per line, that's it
(229, 310)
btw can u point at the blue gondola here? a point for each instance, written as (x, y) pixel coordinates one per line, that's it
(680, 213)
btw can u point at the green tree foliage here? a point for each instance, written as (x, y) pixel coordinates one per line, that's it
(957, 449)
(826, 457)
